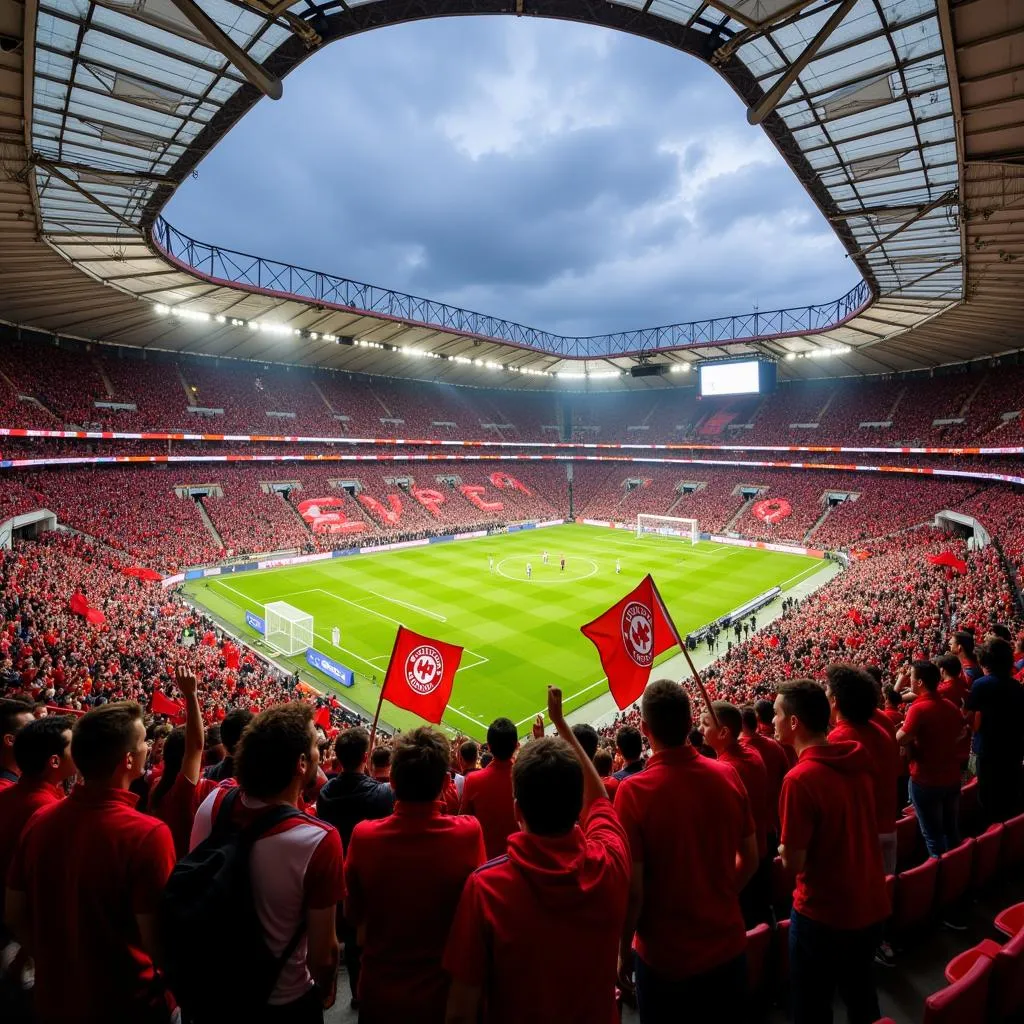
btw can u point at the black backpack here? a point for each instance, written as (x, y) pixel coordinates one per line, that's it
(215, 957)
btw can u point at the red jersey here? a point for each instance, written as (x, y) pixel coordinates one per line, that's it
(611, 784)
(933, 731)
(538, 930)
(89, 865)
(177, 808)
(895, 715)
(955, 690)
(828, 809)
(405, 874)
(754, 776)
(487, 795)
(297, 866)
(885, 766)
(686, 817)
(879, 717)
(17, 805)
(776, 764)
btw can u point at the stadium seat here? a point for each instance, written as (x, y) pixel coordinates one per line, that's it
(908, 842)
(954, 874)
(1011, 920)
(969, 808)
(1013, 843)
(759, 944)
(963, 1002)
(1006, 984)
(986, 856)
(915, 896)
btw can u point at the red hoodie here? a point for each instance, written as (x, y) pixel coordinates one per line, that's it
(828, 809)
(538, 929)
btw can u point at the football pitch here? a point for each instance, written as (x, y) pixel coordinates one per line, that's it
(519, 634)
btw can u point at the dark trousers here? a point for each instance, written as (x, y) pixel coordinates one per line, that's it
(822, 960)
(938, 816)
(353, 953)
(999, 787)
(307, 1010)
(719, 995)
(756, 896)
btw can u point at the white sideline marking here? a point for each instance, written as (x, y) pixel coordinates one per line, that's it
(809, 569)
(567, 699)
(359, 657)
(406, 604)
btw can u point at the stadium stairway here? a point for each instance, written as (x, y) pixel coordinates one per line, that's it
(208, 522)
(817, 522)
(737, 515)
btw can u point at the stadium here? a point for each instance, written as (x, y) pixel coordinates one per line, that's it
(235, 470)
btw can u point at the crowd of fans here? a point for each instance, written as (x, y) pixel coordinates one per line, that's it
(270, 399)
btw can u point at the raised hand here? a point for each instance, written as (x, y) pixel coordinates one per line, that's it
(538, 727)
(185, 679)
(555, 708)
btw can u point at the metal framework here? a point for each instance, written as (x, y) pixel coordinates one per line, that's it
(264, 275)
(901, 118)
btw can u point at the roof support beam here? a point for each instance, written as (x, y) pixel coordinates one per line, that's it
(756, 114)
(267, 84)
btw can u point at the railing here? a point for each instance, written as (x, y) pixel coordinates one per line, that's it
(262, 275)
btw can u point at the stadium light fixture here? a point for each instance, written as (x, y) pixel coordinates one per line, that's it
(161, 310)
(220, 318)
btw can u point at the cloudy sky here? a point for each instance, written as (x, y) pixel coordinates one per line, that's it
(564, 176)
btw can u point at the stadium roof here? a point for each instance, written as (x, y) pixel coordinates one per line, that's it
(903, 119)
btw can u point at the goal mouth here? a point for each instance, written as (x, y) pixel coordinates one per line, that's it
(289, 630)
(667, 526)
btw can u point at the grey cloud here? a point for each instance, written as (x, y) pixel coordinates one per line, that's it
(579, 221)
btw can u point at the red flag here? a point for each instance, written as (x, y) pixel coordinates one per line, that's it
(420, 674)
(231, 653)
(628, 637)
(855, 616)
(95, 616)
(78, 603)
(163, 705)
(323, 718)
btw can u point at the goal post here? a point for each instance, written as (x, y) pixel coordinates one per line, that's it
(289, 629)
(667, 526)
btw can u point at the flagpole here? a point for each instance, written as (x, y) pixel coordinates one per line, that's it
(380, 701)
(686, 654)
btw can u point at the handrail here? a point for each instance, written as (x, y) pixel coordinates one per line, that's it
(254, 273)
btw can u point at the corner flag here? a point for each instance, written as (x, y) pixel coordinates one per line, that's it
(420, 674)
(628, 637)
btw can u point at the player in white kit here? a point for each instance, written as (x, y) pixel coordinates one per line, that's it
(529, 570)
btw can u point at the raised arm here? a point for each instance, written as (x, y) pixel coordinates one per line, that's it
(192, 761)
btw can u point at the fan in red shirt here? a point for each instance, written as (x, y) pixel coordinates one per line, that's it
(535, 933)
(179, 791)
(830, 843)
(487, 794)
(296, 867)
(765, 711)
(851, 693)
(694, 847)
(404, 875)
(776, 764)
(724, 739)
(85, 881)
(953, 683)
(14, 716)
(42, 751)
(934, 734)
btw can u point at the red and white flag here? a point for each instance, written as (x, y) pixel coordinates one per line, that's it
(628, 637)
(420, 674)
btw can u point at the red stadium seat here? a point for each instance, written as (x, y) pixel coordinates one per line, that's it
(1006, 985)
(963, 1002)
(908, 842)
(915, 896)
(986, 856)
(1011, 920)
(955, 874)
(759, 944)
(1013, 843)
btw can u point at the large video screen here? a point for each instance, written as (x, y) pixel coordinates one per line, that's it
(730, 378)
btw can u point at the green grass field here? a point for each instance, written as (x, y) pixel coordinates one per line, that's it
(519, 634)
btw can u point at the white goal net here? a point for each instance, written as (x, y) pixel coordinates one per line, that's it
(667, 526)
(289, 629)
